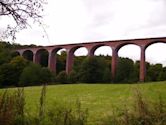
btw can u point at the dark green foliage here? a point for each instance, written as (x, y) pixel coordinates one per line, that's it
(34, 75)
(154, 71)
(30, 75)
(92, 70)
(44, 58)
(162, 74)
(72, 77)
(78, 60)
(9, 75)
(46, 74)
(107, 75)
(62, 77)
(5, 54)
(61, 62)
(125, 70)
(89, 70)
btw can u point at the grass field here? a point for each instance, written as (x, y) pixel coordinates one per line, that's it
(98, 98)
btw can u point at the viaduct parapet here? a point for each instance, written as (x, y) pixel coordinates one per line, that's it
(91, 47)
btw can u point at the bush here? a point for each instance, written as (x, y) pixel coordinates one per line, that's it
(62, 77)
(92, 70)
(34, 75)
(72, 77)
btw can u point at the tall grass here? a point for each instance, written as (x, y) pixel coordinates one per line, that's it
(13, 112)
(143, 112)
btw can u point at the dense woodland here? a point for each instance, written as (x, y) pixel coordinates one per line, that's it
(18, 71)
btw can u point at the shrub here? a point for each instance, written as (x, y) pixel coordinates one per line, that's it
(34, 75)
(92, 70)
(72, 77)
(62, 77)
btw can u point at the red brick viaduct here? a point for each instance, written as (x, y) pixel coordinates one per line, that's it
(91, 47)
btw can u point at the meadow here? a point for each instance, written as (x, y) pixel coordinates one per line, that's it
(99, 99)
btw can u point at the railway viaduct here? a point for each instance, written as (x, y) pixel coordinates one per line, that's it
(91, 47)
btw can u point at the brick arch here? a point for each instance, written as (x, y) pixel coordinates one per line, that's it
(56, 49)
(74, 48)
(96, 46)
(52, 60)
(70, 57)
(28, 54)
(153, 42)
(120, 45)
(92, 46)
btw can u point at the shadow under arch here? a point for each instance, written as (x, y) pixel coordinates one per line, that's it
(58, 60)
(28, 54)
(42, 57)
(79, 55)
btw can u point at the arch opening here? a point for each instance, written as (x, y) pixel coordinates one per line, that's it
(60, 57)
(106, 53)
(156, 61)
(103, 51)
(79, 55)
(42, 57)
(128, 63)
(28, 54)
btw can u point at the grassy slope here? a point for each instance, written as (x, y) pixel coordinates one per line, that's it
(98, 98)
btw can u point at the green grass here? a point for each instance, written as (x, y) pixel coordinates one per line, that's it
(98, 98)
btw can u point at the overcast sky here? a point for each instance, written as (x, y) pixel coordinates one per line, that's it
(75, 21)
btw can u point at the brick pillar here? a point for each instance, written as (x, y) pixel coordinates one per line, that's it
(52, 61)
(142, 65)
(114, 62)
(90, 52)
(69, 61)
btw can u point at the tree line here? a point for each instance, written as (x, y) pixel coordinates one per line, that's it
(18, 71)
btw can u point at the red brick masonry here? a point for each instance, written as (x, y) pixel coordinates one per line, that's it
(91, 47)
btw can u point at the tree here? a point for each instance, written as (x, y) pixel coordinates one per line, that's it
(72, 77)
(162, 75)
(62, 77)
(33, 75)
(5, 54)
(20, 11)
(125, 70)
(7, 75)
(154, 71)
(10, 72)
(92, 70)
